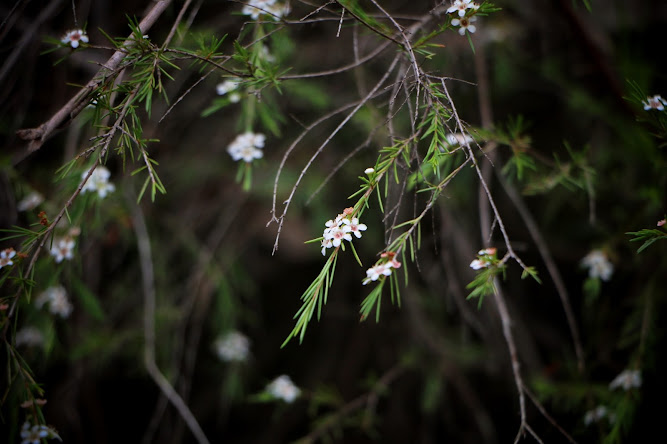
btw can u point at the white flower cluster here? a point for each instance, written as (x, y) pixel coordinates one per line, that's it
(461, 7)
(30, 337)
(597, 414)
(32, 200)
(655, 102)
(247, 146)
(598, 265)
(627, 379)
(485, 258)
(56, 298)
(6, 256)
(75, 36)
(98, 182)
(229, 86)
(272, 8)
(283, 388)
(339, 229)
(233, 346)
(383, 268)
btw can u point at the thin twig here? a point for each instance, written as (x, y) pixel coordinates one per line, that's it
(148, 286)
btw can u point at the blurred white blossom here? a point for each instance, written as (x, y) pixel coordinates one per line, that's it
(627, 379)
(57, 300)
(230, 87)
(63, 248)
(283, 388)
(30, 337)
(98, 182)
(272, 8)
(32, 200)
(247, 146)
(597, 414)
(598, 265)
(233, 346)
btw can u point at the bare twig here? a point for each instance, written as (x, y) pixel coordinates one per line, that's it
(148, 285)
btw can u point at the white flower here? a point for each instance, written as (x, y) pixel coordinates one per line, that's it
(374, 273)
(98, 182)
(326, 243)
(369, 171)
(32, 200)
(458, 139)
(338, 234)
(6, 256)
(598, 265)
(598, 413)
(57, 299)
(74, 37)
(30, 337)
(478, 264)
(462, 7)
(265, 55)
(485, 258)
(466, 24)
(655, 102)
(247, 146)
(229, 86)
(63, 248)
(34, 434)
(233, 346)
(627, 379)
(255, 8)
(283, 388)
(355, 226)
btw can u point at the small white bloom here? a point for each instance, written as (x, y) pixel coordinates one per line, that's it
(655, 102)
(233, 346)
(326, 243)
(73, 38)
(6, 256)
(598, 265)
(338, 234)
(354, 226)
(465, 24)
(32, 200)
(56, 298)
(458, 139)
(33, 434)
(255, 8)
(227, 86)
(63, 248)
(98, 182)
(29, 337)
(247, 146)
(478, 264)
(283, 388)
(374, 273)
(627, 379)
(597, 414)
(461, 6)
(369, 170)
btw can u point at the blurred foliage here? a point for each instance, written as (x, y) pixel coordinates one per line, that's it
(549, 109)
